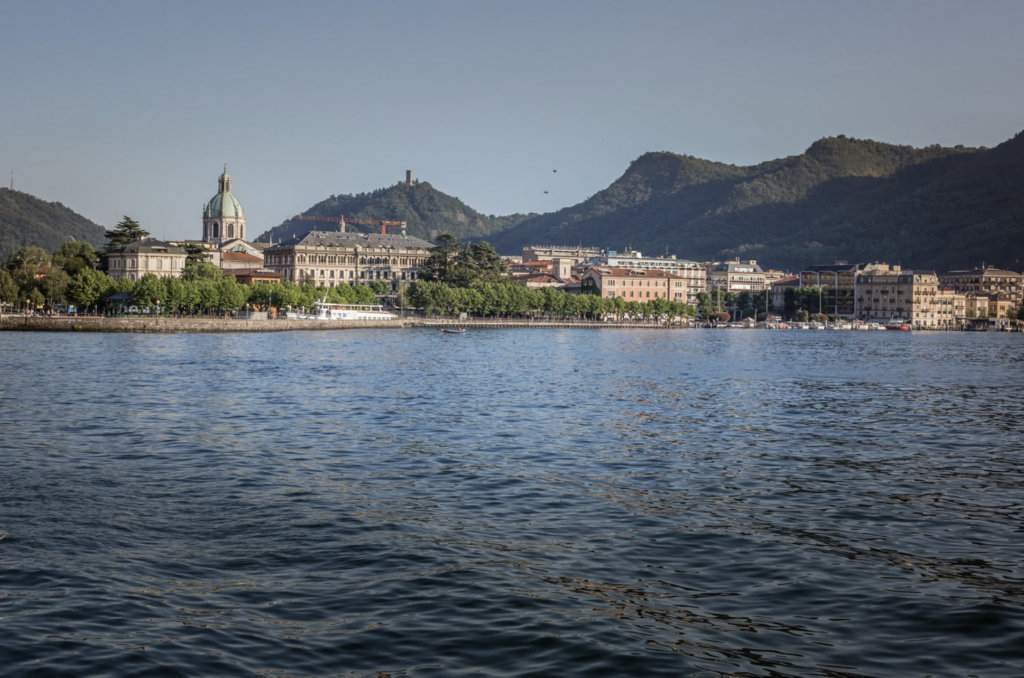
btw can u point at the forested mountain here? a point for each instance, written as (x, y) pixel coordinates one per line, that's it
(843, 198)
(26, 220)
(426, 211)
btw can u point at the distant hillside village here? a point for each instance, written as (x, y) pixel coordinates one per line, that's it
(222, 272)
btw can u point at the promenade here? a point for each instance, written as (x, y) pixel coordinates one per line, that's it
(169, 325)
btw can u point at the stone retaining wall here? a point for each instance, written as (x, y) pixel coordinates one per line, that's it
(191, 325)
(178, 325)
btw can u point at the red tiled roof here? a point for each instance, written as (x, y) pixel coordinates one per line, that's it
(609, 272)
(240, 256)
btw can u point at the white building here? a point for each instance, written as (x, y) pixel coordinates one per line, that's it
(136, 259)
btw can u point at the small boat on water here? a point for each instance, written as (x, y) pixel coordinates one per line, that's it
(458, 331)
(897, 324)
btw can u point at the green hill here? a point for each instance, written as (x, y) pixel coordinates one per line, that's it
(843, 198)
(426, 211)
(26, 220)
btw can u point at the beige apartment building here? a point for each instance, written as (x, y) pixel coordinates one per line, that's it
(633, 285)
(912, 296)
(735, 276)
(1004, 290)
(548, 252)
(838, 283)
(333, 257)
(147, 255)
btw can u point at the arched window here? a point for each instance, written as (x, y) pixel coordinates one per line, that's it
(394, 262)
(231, 231)
(216, 230)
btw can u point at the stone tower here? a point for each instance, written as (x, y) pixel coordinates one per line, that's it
(223, 216)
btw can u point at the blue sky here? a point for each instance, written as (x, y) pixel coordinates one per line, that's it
(131, 108)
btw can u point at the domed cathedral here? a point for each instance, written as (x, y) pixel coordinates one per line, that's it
(223, 216)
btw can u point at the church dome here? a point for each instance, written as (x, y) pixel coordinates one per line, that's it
(224, 204)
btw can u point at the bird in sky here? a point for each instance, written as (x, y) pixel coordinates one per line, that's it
(554, 170)
(545, 192)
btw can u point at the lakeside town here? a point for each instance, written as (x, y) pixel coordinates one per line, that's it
(226, 275)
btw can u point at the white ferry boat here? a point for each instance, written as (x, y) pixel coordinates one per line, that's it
(323, 310)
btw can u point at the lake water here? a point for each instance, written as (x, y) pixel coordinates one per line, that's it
(512, 503)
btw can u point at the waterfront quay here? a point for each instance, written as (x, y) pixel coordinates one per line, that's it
(173, 325)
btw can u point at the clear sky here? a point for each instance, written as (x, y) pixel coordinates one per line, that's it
(132, 107)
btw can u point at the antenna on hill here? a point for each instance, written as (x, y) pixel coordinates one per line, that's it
(12, 179)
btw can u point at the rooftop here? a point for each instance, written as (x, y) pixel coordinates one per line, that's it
(608, 271)
(148, 246)
(346, 239)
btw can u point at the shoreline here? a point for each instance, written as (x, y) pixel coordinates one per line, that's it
(169, 325)
(223, 325)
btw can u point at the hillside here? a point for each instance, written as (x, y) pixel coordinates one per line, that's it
(26, 220)
(843, 198)
(426, 211)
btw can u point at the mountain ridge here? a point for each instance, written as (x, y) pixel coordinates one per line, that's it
(426, 211)
(856, 198)
(26, 220)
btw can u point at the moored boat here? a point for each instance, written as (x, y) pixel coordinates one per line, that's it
(897, 324)
(323, 310)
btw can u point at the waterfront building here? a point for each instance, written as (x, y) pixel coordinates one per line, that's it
(148, 255)
(838, 284)
(632, 284)
(328, 258)
(529, 267)
(692, 272)
(779, 288)
(238, 259)
(536, 281)
(223, 215)
(913, 296)
(549, 252)
(772, 276)
(248, 276)
(735, 276)
(1004, 289)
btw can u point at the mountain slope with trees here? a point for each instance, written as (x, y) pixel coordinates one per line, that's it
(27, 221)
(843, 198)
(426, 211)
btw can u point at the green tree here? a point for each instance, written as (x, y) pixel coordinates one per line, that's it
(36, 298)
(8, 289)
(24, 264)
(53, 284)
(230, 295)
(74, 256)
(440, 265)
(149, 290)
(127, 230)
(196, 253)
(201, 271)
(88, 287)
(379, 287)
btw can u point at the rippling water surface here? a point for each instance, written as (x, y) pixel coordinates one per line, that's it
(512, 503)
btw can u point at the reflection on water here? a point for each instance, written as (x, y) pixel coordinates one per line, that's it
(515, 503)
